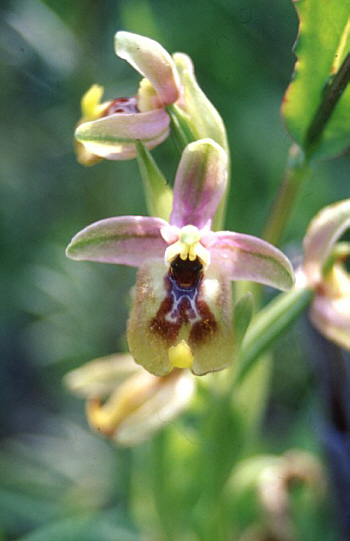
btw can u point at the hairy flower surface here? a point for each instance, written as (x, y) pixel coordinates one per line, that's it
(181, 314)
(323, 270)
(124, 401)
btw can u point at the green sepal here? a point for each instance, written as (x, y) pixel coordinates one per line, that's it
(204, 119)
(158, 194)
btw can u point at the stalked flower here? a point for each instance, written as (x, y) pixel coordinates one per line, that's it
(126, 403)
(181, 315)
(168, 88)
(323, 271)
(111, 131)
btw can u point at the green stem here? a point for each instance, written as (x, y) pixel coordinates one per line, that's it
(297, 171)
(331, 95)
(123, 478)
(160, 489)
(268, 325)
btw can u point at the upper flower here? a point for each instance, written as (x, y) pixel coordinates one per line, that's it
(181, 314)
(323, 271)
(110, 129)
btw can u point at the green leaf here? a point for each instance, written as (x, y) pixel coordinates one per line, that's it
(103, 526)
(316, 106)
(268, 325)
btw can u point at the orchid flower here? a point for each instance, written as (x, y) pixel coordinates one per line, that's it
(272, 477)
(124, 401)
(110, 129)
(181, 315)
(324, 272)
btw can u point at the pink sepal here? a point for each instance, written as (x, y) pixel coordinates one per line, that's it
(244, 257)
(125, 240)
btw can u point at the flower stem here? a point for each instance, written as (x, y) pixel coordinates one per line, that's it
(298, 168)
(160, 486)
(331, 95)
(297, 172)
(268, 325)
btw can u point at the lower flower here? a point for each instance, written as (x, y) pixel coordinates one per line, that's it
(330, 310)
(323, 270)
(125, 402)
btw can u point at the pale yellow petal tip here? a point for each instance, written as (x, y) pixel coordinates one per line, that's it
(337, 282)
(84, 157)
(188, 246)
(181, 356)
(91, 109)
(103, 422)
(147, 98)
(91, 106)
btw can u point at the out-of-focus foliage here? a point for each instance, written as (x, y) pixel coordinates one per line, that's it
(58, 481)
(322, 46)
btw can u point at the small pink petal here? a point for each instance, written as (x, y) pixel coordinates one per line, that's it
(170, 233)
(244, 257)
(200, 182)
(125, 240)
(152, 61)
(323, 232)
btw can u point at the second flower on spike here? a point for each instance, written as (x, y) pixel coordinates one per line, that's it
(181, 314)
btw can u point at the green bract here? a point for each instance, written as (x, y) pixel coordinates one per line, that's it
(322, 47)
(204, 119)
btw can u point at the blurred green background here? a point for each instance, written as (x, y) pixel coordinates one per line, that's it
(57, 314)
